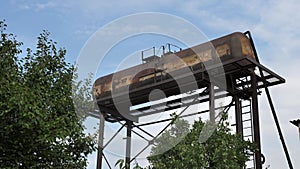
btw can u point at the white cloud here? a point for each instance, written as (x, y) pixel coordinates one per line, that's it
(47, 5)
(36, 5)
(275, 27)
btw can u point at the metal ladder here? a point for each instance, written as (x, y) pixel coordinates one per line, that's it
(247, 124)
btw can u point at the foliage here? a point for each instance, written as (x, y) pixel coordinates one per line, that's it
(122, 165)
(82, 96)
(221, 150)
(39, 127)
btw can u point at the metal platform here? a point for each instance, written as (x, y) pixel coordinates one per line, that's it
(236, 69)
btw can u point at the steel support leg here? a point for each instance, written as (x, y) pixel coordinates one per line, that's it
(238, 116)
(279, 129)
(258, 162)
(128, 144)
(271, 106)
(299, 130)
(212, 114)
(100, 141)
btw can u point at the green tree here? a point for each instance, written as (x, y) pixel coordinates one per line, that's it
(82, 94)
(38, 124)
(221, 150)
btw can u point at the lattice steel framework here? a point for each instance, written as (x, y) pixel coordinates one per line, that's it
(244, 76)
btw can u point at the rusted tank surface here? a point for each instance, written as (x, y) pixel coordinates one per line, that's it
(233, 45)
(158, 71)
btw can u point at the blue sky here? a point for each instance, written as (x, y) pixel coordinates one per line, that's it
(274, 25)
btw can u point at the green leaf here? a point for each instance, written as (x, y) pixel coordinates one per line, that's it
(38, 128)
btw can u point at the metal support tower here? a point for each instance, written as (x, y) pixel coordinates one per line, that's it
(258, 161)
(242, 85)
(128, 144)
(100, 141)
(238, 116)
(212, 113)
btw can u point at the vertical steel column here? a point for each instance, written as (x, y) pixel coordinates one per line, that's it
(212, 114)
(238, 116)
(278, 128)
(271, 105)
(299, 130)
(100, 141)
(128, 144)
(258, 162)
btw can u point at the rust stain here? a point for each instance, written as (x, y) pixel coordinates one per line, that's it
(233, 45)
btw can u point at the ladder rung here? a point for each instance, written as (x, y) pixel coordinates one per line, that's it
(247, 120)
(246, 112)
(247, 127)
(246, 105)
(248, 135)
